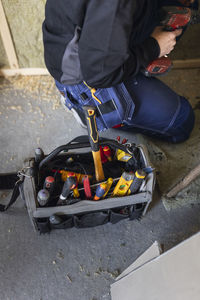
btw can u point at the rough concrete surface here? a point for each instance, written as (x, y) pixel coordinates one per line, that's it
(80, 263)
(177, 160)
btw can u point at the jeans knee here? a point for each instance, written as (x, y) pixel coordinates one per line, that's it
(184, 122)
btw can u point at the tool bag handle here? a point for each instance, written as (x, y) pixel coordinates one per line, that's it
(83, 142)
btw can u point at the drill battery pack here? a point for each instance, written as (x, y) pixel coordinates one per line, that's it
(60, 190)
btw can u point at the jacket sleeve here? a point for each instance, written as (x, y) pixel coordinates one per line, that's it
(104, 52)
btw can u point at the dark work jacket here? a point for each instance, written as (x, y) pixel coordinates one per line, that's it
(102, 42)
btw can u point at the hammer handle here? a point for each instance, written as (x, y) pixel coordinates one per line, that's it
(90, 114)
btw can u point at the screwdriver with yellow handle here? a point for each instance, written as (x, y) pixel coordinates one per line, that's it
(137, 182)
(103, 189)
(90, 114)
(100, 191)
(74, 188)
(79, 176)
(109, 184)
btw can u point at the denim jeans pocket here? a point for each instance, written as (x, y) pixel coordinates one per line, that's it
(115, 105)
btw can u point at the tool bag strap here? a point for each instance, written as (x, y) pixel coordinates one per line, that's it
(7, 181)
(17, 190)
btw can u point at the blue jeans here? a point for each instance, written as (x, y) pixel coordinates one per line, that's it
(158, 111)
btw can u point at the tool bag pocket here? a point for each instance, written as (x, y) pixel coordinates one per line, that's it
(115, 106)
(92, 219)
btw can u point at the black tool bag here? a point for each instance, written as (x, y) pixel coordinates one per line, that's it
(76, 156)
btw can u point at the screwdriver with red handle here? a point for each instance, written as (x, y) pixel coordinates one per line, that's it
(107, 152)
(87, 189)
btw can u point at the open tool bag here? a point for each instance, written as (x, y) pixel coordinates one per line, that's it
(50, 205)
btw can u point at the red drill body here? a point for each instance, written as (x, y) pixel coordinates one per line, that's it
(175, 18)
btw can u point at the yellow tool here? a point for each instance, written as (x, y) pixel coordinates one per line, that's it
(122, 156)
(74, 187)
(103, 189)
(100, 191)
(109, 184)
(76, 193)
(79, 176)
(123, 184)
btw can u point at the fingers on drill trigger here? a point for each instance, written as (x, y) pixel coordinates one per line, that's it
(178, 32)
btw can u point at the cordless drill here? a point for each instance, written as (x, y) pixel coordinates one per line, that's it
(172, 18)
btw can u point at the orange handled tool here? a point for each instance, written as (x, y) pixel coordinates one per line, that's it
(94, 141)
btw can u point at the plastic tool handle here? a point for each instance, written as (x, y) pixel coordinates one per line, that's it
(87, 189)
(68, 185)
(49, 184)
(43, 197)
(100, 191)
(90, 115)
(137, 181)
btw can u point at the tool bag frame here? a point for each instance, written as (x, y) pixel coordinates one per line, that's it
(85, 213)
